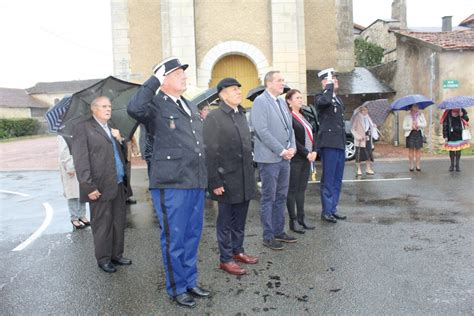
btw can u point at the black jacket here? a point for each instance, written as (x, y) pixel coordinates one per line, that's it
(331, 119)
(229, 154)
(178, 158)
(452, 128)
(300, 134)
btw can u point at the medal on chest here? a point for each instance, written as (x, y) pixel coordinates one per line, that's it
(172, 124)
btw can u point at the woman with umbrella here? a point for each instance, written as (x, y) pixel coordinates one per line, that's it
(454, 121)
(413, 125)
(364, 131)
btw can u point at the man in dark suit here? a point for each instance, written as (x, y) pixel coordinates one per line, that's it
(231, 173)
(331, 144)
(178, 174)
(99, 162)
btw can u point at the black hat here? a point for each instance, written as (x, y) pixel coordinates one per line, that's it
(227, 82)
(171, 64)
(323, 74)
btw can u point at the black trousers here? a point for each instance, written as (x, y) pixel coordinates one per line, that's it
(299, 175)
(108, 221)
(230, 229)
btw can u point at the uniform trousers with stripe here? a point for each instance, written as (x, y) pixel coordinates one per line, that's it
(180, 212)
(333, 160)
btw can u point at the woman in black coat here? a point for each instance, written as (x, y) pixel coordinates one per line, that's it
(301, 163)
(453, 123)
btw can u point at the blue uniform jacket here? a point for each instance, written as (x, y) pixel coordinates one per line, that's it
(330, 109)
(178, 160)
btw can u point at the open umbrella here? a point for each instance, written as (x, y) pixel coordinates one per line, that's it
(118, 91)
(457, 102)
(54, 116)
(206, 97)
(405, 102)
(255, 92)
(378, 110)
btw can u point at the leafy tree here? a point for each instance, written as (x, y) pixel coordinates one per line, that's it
(367, 54)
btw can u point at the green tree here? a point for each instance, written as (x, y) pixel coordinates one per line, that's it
(367, 54)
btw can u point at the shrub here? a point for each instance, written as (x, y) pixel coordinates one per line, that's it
(367, 54)
(18, 127)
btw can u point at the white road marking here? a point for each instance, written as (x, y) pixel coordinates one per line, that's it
(49, 216)
(369, 180)
(13, 192)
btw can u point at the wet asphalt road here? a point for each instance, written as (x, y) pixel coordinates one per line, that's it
(406, 248)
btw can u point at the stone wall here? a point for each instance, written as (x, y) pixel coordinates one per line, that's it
(378, 33)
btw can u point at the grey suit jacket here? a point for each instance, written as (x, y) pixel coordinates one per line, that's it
(273, 128)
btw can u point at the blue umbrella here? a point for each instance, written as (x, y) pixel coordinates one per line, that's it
(405, 102)
(457, 102)
(55, 115)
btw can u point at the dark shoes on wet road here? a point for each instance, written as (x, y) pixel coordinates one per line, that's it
(340, 217)
(329, 218)
(232, 268)
(122, 262)
(306, 226)
(107, 267)
(273, 244)
(199, 292)
(285, 238)
(185, 300)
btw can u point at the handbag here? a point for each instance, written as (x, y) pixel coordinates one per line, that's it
(466, 133)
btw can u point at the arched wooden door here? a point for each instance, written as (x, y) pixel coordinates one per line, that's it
(240, 68)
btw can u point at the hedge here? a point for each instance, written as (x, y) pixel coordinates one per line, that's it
(18, 127)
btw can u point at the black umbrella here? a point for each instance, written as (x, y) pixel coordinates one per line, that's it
(255, 92)
(118, 91)
(206, 97)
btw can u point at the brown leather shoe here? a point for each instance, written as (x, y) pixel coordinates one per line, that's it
(244, 258)
(232, 268)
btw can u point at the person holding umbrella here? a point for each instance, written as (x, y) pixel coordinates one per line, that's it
(97, 151)
(413, 125)
(178, 174)
(300, 164)
(364, 131)
(454, 121)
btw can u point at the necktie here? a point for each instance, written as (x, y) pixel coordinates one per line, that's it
(181, 106)
(118, 162)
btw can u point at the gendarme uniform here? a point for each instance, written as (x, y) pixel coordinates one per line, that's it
(178, 176)
(331, 144)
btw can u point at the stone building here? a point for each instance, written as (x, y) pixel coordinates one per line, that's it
(239, 38)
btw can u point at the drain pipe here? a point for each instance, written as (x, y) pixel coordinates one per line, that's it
(432, 78)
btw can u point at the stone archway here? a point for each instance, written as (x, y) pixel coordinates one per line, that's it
(230, 48)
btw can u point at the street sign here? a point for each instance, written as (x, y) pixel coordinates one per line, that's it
(450, 84)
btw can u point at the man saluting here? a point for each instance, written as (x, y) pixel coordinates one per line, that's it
(178, 175)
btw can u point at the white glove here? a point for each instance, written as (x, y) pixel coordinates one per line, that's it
(159, 73)
(329, 78)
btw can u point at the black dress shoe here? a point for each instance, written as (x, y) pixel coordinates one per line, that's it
(295, 227)
(122, 262)
(329, 218)
(131, 201)
(197, 291)
(185, 300)
(305, 226)
(341, 217)
(107, 267)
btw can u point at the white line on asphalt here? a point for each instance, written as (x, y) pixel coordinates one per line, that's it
(369, 180)
(49, 216)
(13, 192)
